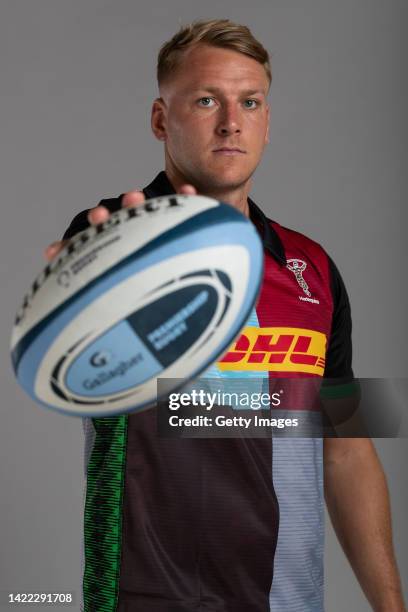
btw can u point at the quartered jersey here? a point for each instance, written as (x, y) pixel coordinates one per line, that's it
(222, 524)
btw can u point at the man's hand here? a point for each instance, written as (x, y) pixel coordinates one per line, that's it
(100, 214)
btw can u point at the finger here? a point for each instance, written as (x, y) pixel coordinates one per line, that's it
(54, 248)
(133, 198)
(188, 190)
(97, 215)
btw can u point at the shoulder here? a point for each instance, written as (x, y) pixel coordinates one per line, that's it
(293, 239)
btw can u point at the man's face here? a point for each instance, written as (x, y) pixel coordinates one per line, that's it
(213, 116)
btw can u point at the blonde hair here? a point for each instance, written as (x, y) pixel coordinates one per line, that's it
(216, 32)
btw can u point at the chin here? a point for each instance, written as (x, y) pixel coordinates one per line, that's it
(226, 179)
(228, 183)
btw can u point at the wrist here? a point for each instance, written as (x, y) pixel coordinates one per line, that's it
(394, 603)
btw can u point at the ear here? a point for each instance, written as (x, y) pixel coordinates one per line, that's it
(268, 116)
(158, 119)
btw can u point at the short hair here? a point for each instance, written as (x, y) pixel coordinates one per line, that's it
(216, 32)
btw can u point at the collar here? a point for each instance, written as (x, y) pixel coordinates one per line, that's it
(161, 186)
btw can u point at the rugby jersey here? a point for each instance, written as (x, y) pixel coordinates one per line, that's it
(222, 525)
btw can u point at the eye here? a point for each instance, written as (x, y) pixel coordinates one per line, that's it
(205, 102)
(250, 103)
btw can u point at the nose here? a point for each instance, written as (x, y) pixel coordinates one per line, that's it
(230, 121)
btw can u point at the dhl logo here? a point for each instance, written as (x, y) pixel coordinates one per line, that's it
(281, 349)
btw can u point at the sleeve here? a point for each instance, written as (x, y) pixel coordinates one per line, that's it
(340, 391)
(339, 352)
(80, 221)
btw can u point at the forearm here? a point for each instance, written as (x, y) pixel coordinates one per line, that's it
(358, 503)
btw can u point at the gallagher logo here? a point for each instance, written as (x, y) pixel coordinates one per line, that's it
(278, 349)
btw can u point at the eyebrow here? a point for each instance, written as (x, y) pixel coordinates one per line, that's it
(246, 92)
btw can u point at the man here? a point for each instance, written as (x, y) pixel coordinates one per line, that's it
(231, 525)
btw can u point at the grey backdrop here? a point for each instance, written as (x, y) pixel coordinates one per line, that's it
(77, 80)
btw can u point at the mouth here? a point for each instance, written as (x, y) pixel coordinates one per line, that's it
(229, 151)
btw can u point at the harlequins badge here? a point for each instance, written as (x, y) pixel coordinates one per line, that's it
(297, 266)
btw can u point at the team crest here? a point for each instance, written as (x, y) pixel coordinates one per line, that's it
(298, 266)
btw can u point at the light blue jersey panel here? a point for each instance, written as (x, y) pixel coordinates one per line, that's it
(298, 481)
(214, 372)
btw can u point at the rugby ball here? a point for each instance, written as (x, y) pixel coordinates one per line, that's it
(158, 291)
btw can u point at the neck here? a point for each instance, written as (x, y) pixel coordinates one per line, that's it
(236, 197)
